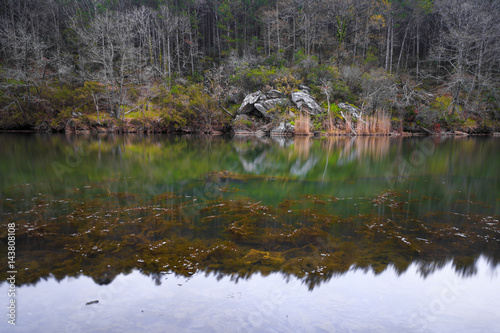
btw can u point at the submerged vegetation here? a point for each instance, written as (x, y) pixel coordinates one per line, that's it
(308, 207)
(112, 233)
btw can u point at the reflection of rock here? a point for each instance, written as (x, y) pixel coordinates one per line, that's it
(257, 161)
(257, 155)
(302, 169)
(253, 165)
(283, 141)
(306, 103)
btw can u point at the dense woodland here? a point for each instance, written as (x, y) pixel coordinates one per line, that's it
(430, 65)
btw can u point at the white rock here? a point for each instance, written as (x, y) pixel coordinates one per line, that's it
(306, 103)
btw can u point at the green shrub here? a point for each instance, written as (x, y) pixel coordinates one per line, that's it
(304, 65)
(335, 110)
(242, 123)
(320, 73)
(192, 105)
(286, 83)
(254, 79)
(442, 103)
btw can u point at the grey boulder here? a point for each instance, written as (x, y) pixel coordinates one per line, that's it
(266, 105)
(305, 103)
(248, 103)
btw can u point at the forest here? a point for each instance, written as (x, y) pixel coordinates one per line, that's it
(427, 66)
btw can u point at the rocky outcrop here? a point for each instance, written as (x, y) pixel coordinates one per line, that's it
(305, 88)
(274, 94)
(353, 111)
(248, 103)
(305, 102)
(264, 106)
(258, 112)
(259, 103)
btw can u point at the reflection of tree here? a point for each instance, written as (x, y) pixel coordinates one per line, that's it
(112, 234)
(108, 226)
(302, 146)
(360, 148)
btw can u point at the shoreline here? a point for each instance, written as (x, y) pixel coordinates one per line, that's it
(147, 126)
(250, 134)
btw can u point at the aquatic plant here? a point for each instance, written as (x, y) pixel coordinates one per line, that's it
(118, 232)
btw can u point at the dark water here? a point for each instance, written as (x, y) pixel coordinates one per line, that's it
(281, 235)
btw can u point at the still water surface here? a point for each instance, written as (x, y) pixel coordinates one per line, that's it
(281, 235)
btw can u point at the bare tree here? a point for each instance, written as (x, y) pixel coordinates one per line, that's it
(26, 54)
(108, 53)
(469, 47)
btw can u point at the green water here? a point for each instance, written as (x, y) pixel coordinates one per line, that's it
(411, 213)
(308, 207)
(445, 167)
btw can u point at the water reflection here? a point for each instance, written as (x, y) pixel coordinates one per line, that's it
(355, 302)
(113, 233)
(259, 155)
(309, 208)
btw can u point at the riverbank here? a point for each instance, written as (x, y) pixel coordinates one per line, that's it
(278, 105)
(134, 130)
(87, 125)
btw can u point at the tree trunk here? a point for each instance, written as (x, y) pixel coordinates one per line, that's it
(418, 48)
(169, 61)
(269, 39)
(278, 29)
(387, 52)
(355, 37)
(392, 45)
(402, 48)
(178, 52)
(191, 53)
